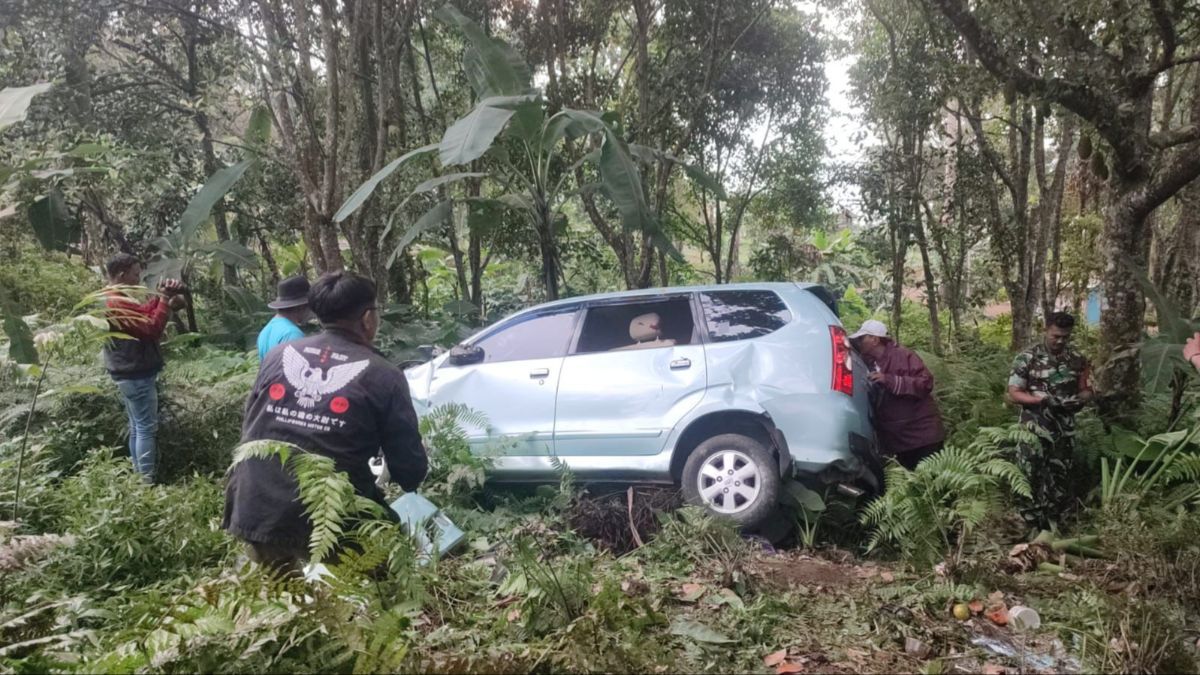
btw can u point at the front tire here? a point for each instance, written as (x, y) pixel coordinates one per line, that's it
(734, 477)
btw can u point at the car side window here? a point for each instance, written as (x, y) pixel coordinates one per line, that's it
(624, 326)
(741, 315)
(541, 336)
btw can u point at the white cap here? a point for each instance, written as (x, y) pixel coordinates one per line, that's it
(871, 327)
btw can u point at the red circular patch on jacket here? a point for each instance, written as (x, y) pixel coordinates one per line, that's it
(339, 404)
(276, 391)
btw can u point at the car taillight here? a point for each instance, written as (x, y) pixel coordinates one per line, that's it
(843, 365)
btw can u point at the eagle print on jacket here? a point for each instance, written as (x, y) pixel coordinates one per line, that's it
(312, 383)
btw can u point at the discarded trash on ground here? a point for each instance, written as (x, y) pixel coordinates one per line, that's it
(435, 534)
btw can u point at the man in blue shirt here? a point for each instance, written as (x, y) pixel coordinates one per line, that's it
(291, 310)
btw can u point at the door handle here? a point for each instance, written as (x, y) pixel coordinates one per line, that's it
(680, 364)
(539, 373)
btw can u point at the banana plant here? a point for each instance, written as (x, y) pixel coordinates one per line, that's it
(48, 214)
(512, 128)
(184, 248)
(14, 102)
(180, 251)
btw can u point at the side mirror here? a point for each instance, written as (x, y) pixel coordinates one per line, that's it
(465, 355)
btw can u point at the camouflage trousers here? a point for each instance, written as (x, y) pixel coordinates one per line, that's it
(1050, 468)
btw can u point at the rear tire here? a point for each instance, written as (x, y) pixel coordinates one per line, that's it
(735, 477)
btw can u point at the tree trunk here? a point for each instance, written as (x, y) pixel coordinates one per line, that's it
(548, 251)
(1125, 241)
(193, 88)
(313, 241)
(211, 166)
(475, 252)
(1050, 211)
(931, 294)
(899, 245)
(268, 257)
(1181, 259)
(330, 245)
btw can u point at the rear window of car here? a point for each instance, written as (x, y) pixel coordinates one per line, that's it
(741, 315)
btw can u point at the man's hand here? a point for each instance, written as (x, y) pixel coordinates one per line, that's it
(1072, 404)
(177, 302)
(877, 377)
(1191, 350)
(1051, 401)
(171, 287)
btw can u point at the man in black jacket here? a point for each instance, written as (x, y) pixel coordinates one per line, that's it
(331, 394)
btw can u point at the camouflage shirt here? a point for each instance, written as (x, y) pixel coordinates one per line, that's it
(1036, 370)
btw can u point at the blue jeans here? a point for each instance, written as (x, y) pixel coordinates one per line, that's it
(141, 405)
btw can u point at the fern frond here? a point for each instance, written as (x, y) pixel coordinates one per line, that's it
(327, 494)
(1184, 467)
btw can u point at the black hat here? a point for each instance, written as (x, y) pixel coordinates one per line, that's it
(293, 292)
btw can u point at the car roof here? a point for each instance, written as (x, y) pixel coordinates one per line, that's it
(778, 286)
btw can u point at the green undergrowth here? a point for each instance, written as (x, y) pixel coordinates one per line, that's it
(106, 574)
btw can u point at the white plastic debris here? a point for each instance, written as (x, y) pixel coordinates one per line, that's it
(1024, 618)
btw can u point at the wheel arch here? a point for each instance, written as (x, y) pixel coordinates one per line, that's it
(756, 425)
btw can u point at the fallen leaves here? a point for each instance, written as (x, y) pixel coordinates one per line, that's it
(775, 658)
(690, 592)
(783, 663)
(1026, 557)
(634, 587)
(698, 632)
(726, 596)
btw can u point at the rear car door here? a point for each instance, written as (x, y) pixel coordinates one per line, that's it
(620, 397)
(515, 384)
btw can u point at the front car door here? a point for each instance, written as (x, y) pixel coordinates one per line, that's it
(515, 384)
(621, 396)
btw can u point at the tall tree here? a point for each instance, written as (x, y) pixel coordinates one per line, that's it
(1101, 61)
(899, 81)
(186, 59)
(307, 111)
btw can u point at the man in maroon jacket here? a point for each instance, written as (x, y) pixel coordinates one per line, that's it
(134, 361)
(907, 421)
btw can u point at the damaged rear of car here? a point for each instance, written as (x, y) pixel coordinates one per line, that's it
(725, 390)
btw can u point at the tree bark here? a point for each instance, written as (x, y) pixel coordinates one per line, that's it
(931, 289)
(1126, 241)
(1180, 278)
(193, 87)
(1053, 212)
(548, 250)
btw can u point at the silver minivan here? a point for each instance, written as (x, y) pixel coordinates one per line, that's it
(725, 390)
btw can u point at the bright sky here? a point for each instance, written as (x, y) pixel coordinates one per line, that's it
(845, 121)
(845, 118)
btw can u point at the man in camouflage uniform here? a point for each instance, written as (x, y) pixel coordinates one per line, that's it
(1050, 383)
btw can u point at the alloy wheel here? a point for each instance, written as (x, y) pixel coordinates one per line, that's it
(728, 481)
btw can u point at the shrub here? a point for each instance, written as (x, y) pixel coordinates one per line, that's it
(929, 512)
(970, 391)
(201, 399)
(45, 282)
(128, 533)
(455, 473)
